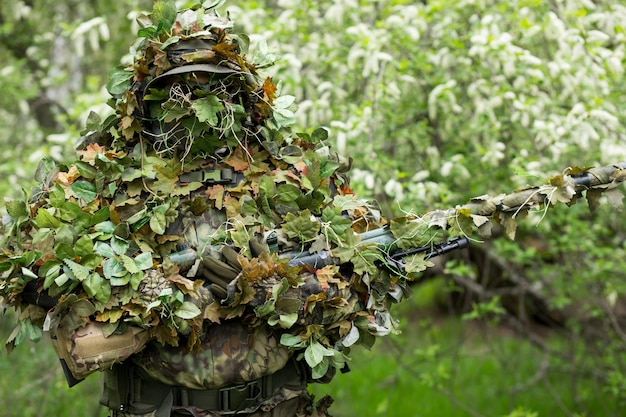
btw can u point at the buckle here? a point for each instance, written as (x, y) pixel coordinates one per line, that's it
(233, 399)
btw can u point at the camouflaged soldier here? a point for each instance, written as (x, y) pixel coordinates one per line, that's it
(166, 256)
(200, 107)
(195, 108)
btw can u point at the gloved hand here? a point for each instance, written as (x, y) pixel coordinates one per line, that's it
(221, 272)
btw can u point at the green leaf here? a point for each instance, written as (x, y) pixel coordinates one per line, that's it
(45, 219)
(57, 196)
(170, 41)
(113, 268)
(69, 211)
(61, 280)
(328, 168)
(321, 369)
(63, 251)
(137, 217)
(28, 258)
(158, 222)
(248, 206)
(122, 231)
(416, 263)
(339, 224)
(119, 246)
(101, 215)
(80, 272)
(105, 227)
(135, 280)
(147, 32)
(288, 305)
(288, 192)
(207, 109)
(83, 308)
(104, 249)
(119, 80)
(86, 170)
(129, 264)
(284, 117)
(83, 246)
(44, 168)
(240, 237)
(91, 261)
(93, 121)
(301, 226)
(280, 288)
(17, 209)
(163, 14)
(287, 320)
(173, 111)
(319, 135)
(64, 234)
(187, 310)
(292, 341)
(365, 259)
(5, 266)
(315, 353)
(267, 186)
(291, 154)
(93, 286)
(50, 270)
(121, 280)
(143, 261)
(27, 273)
(29, 330)
(265, 309)
(284, 102)
(153, 304)
(104, 292)
(156, 94)
(85, 190)
(347, 249)
(409, 234)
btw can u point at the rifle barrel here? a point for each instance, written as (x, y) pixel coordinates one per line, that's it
(597, 176)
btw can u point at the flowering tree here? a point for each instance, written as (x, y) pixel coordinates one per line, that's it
(440, 101)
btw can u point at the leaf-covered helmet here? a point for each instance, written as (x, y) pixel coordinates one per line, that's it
(190, 89)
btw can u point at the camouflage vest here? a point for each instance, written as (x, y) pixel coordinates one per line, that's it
(230, 354)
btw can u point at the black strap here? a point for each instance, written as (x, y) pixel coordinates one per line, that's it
(210, 176)
(227, 400)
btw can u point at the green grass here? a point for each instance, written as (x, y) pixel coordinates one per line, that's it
(443, 366)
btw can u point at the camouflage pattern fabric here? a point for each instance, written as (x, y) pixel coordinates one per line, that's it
(229, 355)
(86, 350)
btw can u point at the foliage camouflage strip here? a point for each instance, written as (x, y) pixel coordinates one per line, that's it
(204, 159)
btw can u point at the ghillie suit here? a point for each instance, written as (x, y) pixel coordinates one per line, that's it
(171, 253)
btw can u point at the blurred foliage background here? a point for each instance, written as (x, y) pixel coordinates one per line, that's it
(436, 102)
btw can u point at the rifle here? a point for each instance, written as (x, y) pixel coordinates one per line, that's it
(483, 210)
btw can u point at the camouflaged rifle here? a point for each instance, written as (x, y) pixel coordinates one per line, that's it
(483, 210)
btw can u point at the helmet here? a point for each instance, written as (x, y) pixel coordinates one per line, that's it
(190, 90)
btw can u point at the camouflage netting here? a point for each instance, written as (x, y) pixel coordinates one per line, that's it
(186, 208)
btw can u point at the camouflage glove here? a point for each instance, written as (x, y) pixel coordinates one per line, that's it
(221, 272)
